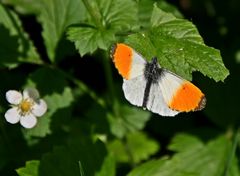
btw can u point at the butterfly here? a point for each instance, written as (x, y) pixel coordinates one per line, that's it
(148, 85)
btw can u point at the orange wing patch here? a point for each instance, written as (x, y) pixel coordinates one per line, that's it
(188, 98)
(122, 58)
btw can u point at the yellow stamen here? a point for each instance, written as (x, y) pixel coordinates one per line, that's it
(25, 106)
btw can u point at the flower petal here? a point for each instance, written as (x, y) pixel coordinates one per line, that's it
(39, 108)
(28, 121)
(12, 115)
(31, 93)
(13, 97)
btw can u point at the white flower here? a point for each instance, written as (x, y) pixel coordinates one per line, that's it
(25, 107)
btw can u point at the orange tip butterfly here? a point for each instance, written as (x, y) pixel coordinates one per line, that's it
(152, 87)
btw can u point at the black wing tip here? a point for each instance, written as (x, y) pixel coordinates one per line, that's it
(201, 104)
(112, 50)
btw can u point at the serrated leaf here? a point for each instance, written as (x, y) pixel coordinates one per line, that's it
(178, 46)
(30, 169)
(55, 17)
(17, 46)
(205, 160)
(113, 16)
(88, 39)
(130, 119)
(137, 144)
(64, 160)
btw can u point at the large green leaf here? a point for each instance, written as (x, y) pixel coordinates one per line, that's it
(107, 18)
(178, 46)
(31, 169)
(196, 160)
(15, 44)
(136, 148)
(55, 17)
(129, 119)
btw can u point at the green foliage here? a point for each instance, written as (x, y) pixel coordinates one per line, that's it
(15, 44)
(107, 17)
(31, 169)
(128, 120)
(178, 46)
(140, 147)
(61, 48)
(198, 159)
(55, 17)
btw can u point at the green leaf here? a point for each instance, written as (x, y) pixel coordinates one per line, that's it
(148, 168)
(183, 142)
(25, 6)
(108, 167)
(137, 147)
(167, 7)
(30, 169)
(108, 17)
(56, 100)
(55, 17)
(195, 160)
(178, 46)
(15, 44)
(64, 160)
(145, 8)
(130, 119)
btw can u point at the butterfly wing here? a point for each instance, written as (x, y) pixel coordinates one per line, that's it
(128, 62)
(134, 90)
(156, 102)
(180, 94)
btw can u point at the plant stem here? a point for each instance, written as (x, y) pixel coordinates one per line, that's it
(94, 12)
(236, 139)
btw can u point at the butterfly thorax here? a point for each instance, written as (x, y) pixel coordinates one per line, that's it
(152, 71)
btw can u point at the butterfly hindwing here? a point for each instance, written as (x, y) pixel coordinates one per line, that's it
(180, 94)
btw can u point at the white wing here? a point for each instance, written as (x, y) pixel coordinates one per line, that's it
(156, 102)
(169, 83)
(137, 66)
(134, 90)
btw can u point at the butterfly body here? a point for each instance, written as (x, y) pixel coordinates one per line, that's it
(147, 85)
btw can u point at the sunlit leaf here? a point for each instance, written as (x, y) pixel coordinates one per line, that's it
(31, 169)
(113, 16)
(178, 47)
